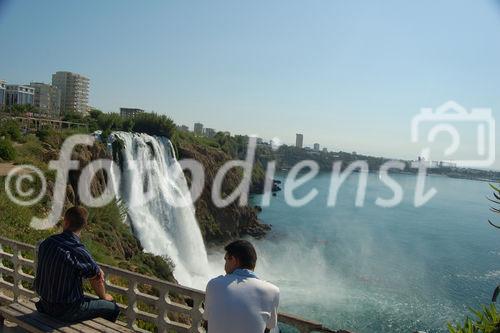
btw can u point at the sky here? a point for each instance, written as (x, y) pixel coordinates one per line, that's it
(349, 75)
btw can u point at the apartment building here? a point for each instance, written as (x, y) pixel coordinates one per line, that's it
(74, 90)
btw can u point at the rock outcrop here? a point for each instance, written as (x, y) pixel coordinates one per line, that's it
(222, 224)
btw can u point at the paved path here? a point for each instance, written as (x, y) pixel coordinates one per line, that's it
(5, 168)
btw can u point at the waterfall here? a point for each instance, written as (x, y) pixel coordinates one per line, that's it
(151, 178)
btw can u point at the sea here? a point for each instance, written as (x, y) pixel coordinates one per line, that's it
(371, 269)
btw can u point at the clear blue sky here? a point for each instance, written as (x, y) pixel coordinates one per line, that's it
(347, 74)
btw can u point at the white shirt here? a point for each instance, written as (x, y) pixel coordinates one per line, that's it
(241, 303)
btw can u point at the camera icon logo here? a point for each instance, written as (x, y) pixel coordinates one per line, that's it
(446, 118)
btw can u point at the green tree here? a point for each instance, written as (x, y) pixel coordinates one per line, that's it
(21, 110)
(95, 113)
(110, 122)
(75, 117)
(154, 124)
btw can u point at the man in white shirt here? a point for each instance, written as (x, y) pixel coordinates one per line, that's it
(239, 302)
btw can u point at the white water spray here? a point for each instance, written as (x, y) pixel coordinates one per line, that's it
(151, 178)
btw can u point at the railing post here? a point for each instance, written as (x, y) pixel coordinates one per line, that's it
(35, 258)
(196, 316)
(162, 321)
(132, 303)
(16, 261)
(1, 262)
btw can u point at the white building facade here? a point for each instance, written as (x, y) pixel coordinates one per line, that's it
(74, 91)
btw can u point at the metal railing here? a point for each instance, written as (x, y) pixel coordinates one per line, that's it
(35, 123)
(147, 303)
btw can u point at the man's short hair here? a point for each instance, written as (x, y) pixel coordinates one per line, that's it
(76, 217)
(244, 251)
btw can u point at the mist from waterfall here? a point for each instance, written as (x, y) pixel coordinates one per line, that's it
(151, 180)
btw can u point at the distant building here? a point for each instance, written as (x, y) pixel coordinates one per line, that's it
(2, 94)
(316, 146)
(198, 128)
(299, 140)
(183, 128)
(19, 95)
(209, 132)
(47, 99)
(325, 150)
(74, 91)
(130, 112)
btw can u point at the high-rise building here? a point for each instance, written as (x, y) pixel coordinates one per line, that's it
(325, 150)
(74, 91)
(130, 112)
(47, 99)
(2, 94)
(316, 147)
(17, 94)
(299, 140)
(209, 132)
(198, 128)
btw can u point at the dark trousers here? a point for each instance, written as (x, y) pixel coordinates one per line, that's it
(89, 308)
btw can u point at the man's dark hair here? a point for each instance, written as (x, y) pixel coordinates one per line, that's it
(244, 251)
(76, 217)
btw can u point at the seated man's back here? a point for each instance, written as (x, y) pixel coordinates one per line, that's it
(239, 302)
(242, 303)
(62, 264)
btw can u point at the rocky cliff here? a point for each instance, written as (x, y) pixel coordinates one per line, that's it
(222, 224)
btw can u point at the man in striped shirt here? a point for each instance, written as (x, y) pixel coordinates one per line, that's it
(63, 263)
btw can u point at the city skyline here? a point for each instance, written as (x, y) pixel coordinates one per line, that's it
(309, 74)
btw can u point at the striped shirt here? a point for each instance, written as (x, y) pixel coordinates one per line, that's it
(63, 263)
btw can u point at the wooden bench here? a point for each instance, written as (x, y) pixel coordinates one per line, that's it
(24, 315)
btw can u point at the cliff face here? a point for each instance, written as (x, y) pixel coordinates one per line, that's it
(219, 225)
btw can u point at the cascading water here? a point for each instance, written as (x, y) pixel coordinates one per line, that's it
(151, 181)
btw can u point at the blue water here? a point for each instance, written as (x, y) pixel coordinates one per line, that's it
(371, 269)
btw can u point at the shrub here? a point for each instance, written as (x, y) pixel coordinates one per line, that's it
(10, 129)
(50, 136)
(7, 151)
(487, 321)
